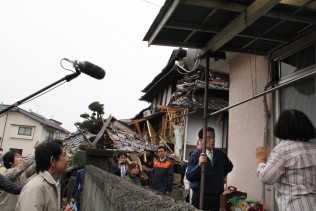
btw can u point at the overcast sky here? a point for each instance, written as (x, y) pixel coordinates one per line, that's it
(36, 35)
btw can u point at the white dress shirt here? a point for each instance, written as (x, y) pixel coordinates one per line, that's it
(210, 155)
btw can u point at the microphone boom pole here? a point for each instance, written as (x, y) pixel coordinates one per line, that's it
(66, 78)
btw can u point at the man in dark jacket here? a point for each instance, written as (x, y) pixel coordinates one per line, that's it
(161, 177)
(78, 186)
(217, 166)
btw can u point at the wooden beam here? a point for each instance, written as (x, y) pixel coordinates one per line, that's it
(291, 17)
(139, 131)
(165, 143)
(139, 163)
(169, 108)
(177, 44)
(216, 4)
(101, 132)
(83, 135)
(136, 121)
(163, 125)
(241, 22)
(152, 133)
(216, 29)
(288, 49)
(207, 17)
(241, 8)
(136, 159)
(163, 21)
(145, 157)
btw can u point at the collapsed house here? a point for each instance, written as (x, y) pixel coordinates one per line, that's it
(173, 119)
(116, 136)
(177, 102)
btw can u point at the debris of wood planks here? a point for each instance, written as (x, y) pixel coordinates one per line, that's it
(125, 141)
(165, 143)
(152, 134)
(139, 131)
(101, 132)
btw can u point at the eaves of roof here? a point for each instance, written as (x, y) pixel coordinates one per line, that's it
(167, 75)
(258, 27)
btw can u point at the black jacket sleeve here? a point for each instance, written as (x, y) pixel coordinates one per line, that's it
(170, 178)
(228, 167)
(194, 170)
(8, 186)
(115, 170)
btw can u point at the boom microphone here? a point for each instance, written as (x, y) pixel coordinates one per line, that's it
(88, 68)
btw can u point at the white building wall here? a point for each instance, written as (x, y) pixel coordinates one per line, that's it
(246, 123)
(11, 139)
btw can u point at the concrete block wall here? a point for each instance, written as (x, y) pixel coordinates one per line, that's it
(105, 191)
(99, 157)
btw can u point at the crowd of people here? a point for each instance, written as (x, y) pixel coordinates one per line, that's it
(34, 183)
(291, 167)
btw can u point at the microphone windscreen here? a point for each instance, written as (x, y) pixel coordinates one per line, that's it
(91, 70)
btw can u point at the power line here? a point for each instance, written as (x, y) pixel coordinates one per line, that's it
(152, 3)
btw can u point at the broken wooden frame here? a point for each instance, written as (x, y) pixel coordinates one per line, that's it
(160, 127)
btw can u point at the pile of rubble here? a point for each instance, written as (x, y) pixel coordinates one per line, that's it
(117, 136)
(189, 93)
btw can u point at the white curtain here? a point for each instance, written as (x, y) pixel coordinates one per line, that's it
(301, 97)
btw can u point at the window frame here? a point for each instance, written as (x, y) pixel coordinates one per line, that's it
(25, 127)
(298, 72)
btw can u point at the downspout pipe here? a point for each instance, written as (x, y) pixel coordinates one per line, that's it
(266, 129)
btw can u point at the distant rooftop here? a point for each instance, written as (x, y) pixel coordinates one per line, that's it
(37, 117)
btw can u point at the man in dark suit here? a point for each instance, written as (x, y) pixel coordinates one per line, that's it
(217, 166)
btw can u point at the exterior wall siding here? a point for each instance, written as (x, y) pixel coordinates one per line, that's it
(246, 123)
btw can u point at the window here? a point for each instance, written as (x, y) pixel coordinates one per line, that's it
(25, 131)
(58, 135)
(301, 95)
(50, 134)
(297, 61)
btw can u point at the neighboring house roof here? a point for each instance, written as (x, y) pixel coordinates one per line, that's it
(37, 117)
(76, 139)
(165, 77)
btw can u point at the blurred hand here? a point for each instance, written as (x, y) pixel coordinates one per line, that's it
(187, 192)
(202, 159)
(261, 155)
(73, 200)
(168, 193)
(36, 144)
(68, 208)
